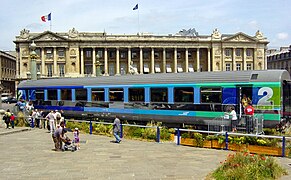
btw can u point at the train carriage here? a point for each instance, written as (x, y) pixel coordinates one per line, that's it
(198, 98)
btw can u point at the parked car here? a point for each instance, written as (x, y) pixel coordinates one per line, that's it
(4, 96)
(10, 100)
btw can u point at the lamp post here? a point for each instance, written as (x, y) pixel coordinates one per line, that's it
(33, 57)
(98, 64)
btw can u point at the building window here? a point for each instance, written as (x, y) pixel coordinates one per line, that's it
(98, 94)
(227, 67)
(116, 94)
(39, 94)
(99, 54)
(146, 55)
(238, 52)
(159, 94)
(249, 52)
(157, 55)
(249, 66)
(49, 70)
(111, 54)
(211, 95)
(61, 53)
(38, 68)
(66, 94)
(136, 94)
(49, 54)
(189, 55)
(122, 55)
(81, 94)
(62, 70)
(184, 94)
(238, 66)
(133, 55)
(179, 55)
(88, 54)
(227, 52)
(88, 69)
(168, 55)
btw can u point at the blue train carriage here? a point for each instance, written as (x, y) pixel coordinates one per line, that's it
(199, 98)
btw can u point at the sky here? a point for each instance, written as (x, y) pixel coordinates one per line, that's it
(158, 17)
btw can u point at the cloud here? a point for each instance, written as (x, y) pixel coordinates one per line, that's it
(282, 36)
(254, 24)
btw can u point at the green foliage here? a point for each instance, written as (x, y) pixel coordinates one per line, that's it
(198, 139)
(243, 165)
(221, 139)
(165, 133)
(269, 131)
(185, 135)
(239, 140)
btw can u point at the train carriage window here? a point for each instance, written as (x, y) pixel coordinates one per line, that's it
(116, 94)
(184, 94)
(81, 94)
(66, 94)
(39, 94)
(159, 94)
(52, 94)
(211, 95)
(98, 94)
(136, 94)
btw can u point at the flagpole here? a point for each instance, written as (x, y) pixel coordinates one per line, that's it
(50, 23)
(138, 19)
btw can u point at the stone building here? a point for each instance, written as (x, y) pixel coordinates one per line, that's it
(7, 72)
(74, 54)
(279, 59)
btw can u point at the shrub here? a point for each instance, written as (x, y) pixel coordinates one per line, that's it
(244, 165)
(198, 139)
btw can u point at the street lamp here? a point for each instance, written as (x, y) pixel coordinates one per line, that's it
(33, 57)
(98, 64)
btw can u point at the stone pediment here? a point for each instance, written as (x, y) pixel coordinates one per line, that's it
(49, 36)
(240, 37)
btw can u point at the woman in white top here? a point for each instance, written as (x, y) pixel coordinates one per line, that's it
(233, 119)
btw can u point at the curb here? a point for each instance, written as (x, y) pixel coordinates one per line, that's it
(15, 131)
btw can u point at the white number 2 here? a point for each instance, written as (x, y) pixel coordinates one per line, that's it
(265, 99)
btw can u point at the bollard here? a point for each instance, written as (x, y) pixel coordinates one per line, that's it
(226, 141)
(283, 146)
(91, 127)
(178, 136)
(121, 130)
(158, 135)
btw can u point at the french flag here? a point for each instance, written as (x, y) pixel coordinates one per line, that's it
(46, 17)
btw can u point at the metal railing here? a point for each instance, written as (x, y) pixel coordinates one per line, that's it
(226, 134)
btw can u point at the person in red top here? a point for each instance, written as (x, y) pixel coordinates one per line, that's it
(249, 111)
(12, 118)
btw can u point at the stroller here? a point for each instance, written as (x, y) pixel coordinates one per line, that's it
(68, 143)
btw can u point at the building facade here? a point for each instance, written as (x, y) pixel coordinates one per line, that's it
(7, 72)
(79, 54)
(279, 59)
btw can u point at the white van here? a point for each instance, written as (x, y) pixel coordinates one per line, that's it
(5, 96)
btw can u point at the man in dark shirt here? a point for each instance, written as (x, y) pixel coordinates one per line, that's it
(58, 137)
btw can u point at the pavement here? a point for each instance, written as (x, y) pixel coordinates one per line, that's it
(27, 153)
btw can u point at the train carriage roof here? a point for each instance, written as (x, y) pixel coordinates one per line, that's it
(164, 78)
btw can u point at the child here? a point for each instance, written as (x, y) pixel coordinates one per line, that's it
(76, 137)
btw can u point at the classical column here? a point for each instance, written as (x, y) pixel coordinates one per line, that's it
(245, 59)
(208, 59)
(93, 62)
(223, 59)
(42, 62)
(117, 62)
(175, 60)
(164, 60)
(128, 60)
(105, 62)
(140, 61)
(198, 59)
(82, 61)
(55, 62)
(186, 60)
(255, 59)
(233, 60)
(152, 61)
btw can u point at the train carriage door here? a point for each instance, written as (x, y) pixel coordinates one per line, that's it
(243, 91)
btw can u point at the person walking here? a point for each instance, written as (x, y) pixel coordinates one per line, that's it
(6, 118)
(12, 119)
(233, 116)
(58, 137)
(76, 137)
(116, 129)
(51, 118)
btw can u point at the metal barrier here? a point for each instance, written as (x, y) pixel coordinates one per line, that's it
(226, 134)
(246, 123)
(121, 127)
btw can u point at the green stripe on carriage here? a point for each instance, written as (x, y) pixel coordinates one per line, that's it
(209, 114)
